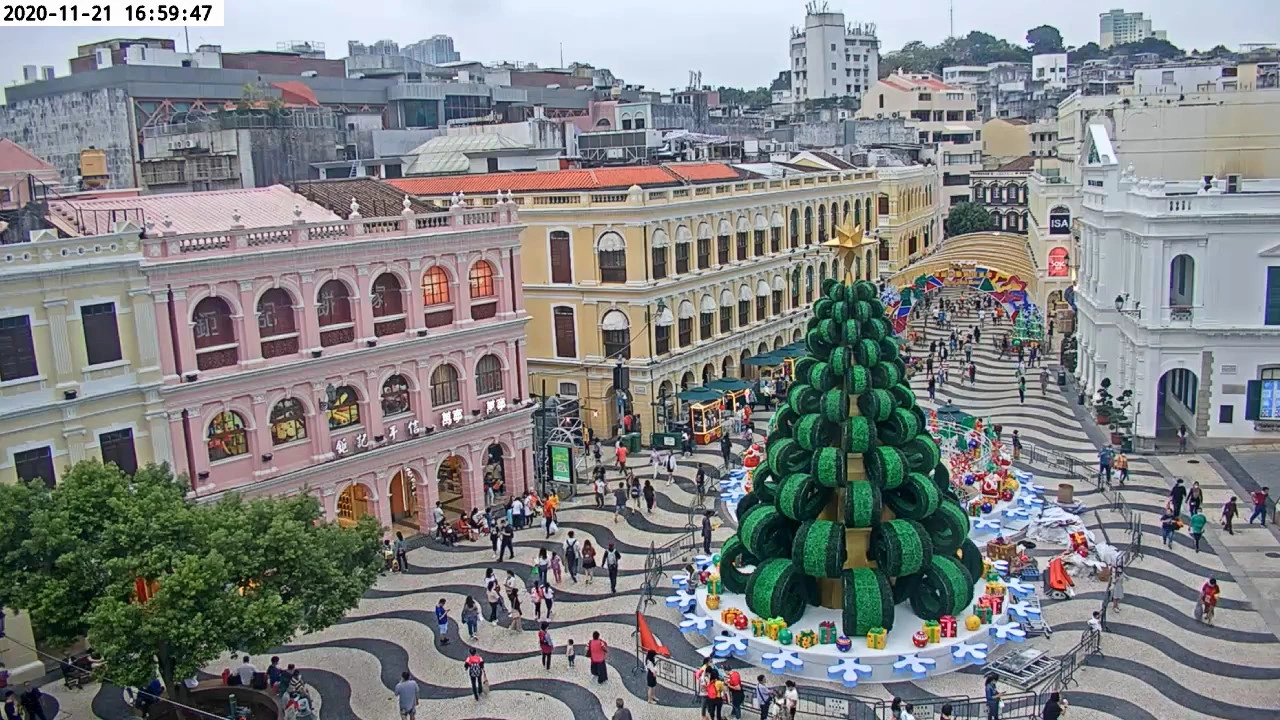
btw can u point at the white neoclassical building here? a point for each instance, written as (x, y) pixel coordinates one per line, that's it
(1179, 297)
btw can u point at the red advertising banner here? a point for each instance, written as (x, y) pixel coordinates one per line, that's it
(1058, 262)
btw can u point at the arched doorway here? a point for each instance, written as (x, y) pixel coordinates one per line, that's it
(495, 474)
(353, 504)
(611, 419)
(403, 493)
(777, 342)
(796, 335)
(686, 381)
(708, 373)
(726, 367)
(1176, 403)
(745, 371)
(450, 484)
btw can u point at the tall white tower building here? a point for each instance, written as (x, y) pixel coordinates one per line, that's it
(830, 59)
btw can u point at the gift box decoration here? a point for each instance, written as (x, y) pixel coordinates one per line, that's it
(975, 508)
(995, 587)
(844, 644)
(740, 622)
(987, 567)
(713, 602)
(990, 485)
(877, 637)
(785, 636)
(757, 627)
(920, 639)
(973, 622)
(728, 615)
(806, 638)
(713, 584)
(995, 602)
(933, 631)
(773, 626)
(827, 632)
(984, 613)
(948, 625)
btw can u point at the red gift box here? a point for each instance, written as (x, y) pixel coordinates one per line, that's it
(948, 624)
(995, 602)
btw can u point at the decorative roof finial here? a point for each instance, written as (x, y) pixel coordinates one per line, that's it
(355, 207)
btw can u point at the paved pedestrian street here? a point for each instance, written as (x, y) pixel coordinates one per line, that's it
(1157, 662)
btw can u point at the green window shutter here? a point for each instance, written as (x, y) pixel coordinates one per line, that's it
(1253, 400)
(1273, 296)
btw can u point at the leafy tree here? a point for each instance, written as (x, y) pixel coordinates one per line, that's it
(782, 82)
(1163, 48)
(739, 96)
(968, 217)
(1088, 51)
(233, 576)
(1044, 39)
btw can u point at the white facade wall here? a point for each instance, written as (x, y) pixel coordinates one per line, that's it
(1050, 69)
(1183, 79)
(1207, 323)
(830, 59)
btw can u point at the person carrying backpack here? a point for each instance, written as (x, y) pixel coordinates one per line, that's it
(571, 556)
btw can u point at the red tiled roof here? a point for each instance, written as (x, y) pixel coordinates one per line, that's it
(295, 92)
(15, 158)
(905, 82)
(834, 161)
(198, 212)
(1022, 164)
(568, 180)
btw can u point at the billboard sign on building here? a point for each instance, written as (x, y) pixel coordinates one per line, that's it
(1059, 221)
(1058, 262)
(561, 458)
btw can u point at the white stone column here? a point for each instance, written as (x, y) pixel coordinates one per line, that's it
(144, 323)
(56, 311)
(161, 439)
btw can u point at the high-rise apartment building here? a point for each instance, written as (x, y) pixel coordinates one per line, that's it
(1117, 27)
(435, 50)
(830, 59)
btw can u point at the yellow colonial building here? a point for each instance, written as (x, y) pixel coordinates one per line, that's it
(79, 363)
(910, 211)
(681, 272)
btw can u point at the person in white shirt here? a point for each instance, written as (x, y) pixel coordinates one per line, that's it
(437, 515)
(671, 466)
(517, 513)
(791, 700)
(246, 671)
(1095, 622)
(655, 461)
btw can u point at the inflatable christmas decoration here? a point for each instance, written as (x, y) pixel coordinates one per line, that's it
(852, 507)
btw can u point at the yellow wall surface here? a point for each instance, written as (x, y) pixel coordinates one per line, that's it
(1003, 141)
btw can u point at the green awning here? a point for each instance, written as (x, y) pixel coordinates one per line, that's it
(793, 350)
(767, 360)
(951, 413)
(728, 385)
(699, 394)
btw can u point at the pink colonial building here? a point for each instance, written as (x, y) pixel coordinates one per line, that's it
(376, 362)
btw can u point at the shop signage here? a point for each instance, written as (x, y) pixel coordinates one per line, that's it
(496, 405)
(449, 417)
(1058, 262)
(1059, 221)
(561, 462)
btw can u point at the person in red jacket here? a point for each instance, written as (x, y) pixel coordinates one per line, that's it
(597, 653)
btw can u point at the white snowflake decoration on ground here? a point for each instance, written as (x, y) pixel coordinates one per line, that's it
(702, 562)
(683, 599)
(1023, 610)
(914, 665)
(1016, 513)
(782, 661)
(1031, 487)
(726, 645)
(1000, 566)
(680, 581)
(695, 623)
(849, 671)
(969, 653)
(1007, 632)
(733, 496)
(1030, 501)
(986, 524)
(1019, 588)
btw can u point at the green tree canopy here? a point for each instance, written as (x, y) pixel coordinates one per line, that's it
(738, 96)
(1044, 39)
(232, 576)
(968, 217)
(1088, 51)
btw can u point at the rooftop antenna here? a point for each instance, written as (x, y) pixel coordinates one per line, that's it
(562, 55)
(952, 13)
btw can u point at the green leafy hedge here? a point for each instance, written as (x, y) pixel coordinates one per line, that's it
(868, 602)
(915, 499)
(819, 548)
(802, 497)
(945, 588)
(863, 505)
(732, 552)
(776, 589)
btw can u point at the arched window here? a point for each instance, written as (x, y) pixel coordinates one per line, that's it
(684, 321)
(435, 296)
(822, 274)
(884, 249)
(857, 212)
(822, 226)
(612, 252)
(808, 226)
(658, 253)
(344, 408)
(775, 232)
(1182, 282)
(388, 305)
(795, 228)
(704, 246)
(758, 238)
(866, 211)
(480, 278)
(723, 231)
(779, 285)
(911, 245)
(488, 375)
(444, 386)
(484, 294)
(835, 221)
(795, 288)
(684, 239)
(616, 330)
(333, 312)
(844, 216)
(871, 268)
(227, 436)
(744, 306)
(808, 284)
(742, 230)
(288, 421)
(395, 396)
(706, 318)
(276, 325)
(215, 336)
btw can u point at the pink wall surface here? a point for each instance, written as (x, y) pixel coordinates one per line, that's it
(240, 266)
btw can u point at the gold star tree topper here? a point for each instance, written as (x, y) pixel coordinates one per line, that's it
(846, 241)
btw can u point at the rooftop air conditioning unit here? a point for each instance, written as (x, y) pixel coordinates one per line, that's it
(1233, 183)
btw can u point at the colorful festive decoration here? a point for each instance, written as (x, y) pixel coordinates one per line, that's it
(1020, 588)
(757, 627)
(683, 600)
(932, 631)
(785, 636)
(1010, 631)
(1001, 549)
(728, 615)
(877, 637)
(969, 653)
(947, 623)
(695, 623)
(919, 638)
(973, 622)
(849, 671)
(740, 622)
(773, 626)
(1024, 611)
(1006, 495)
(806, 639)
(995, 587)
(995, 602)
(783, 660)
(844, 643)
(827, 632)
(914, 665)
(713, 602)
(713, 584)
(990, 485)
(983, 613)
(987, 506)
(975, 508)
(729, 645)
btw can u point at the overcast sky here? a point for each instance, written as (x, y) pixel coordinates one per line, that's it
(653, 42)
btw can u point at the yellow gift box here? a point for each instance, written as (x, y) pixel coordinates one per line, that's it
(757, 627)
(728, 615)
(877, 638)
(713, 602)
(933, 630)
(995, 588)
(773, 626)
(807, 638)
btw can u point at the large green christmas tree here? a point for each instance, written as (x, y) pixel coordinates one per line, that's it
(852, 508)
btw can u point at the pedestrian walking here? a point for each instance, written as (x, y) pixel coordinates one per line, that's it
(535, 594)
(407, 694)
(620, 454)
(655, 461)
(599, 487)
(1044, 380)
(570, 652)
(549, 597)
(1195, 498)
(1017, 446)
(619, 501)
(557, 568)
(637, 492)
(507, 545)
(598, 653)
(588, 560)
(32, 702)
(763, 697)
(1168, 526)
(571, 556)
(1208, 601)
(670, 464)
(726, 447)
(651, 677)
(1121, 464)
(1117, 588)
(470, 617)
(791, 699)
(402, 551)
(933, 387)
(1230, 511)
(1182, 439)
(515, 615)
(700, 481)
(474, 666)
(706, 532)
(494, 598)
(620, 712)
(993, 698)
(546, 645)
(495, 537)
(1022, 390)
(543, 565)
(442, 621)
(1054, 707)
(1260, 498)
(736, 694)
(1177, 495)
(650, 497)
(973, 374)
(1198, 521)
(611, 559)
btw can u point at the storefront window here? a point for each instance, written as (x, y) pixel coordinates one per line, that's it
(344, 408)
(227, 436)
(288, 422)
(395, 396)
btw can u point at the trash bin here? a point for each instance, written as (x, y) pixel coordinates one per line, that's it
(1066, 493)
(631, 441)
(1062, 378)
(665, 441)
(1126, 445)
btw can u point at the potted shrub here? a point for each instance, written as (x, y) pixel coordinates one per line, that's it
(1121, 424)
(1104, 403)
